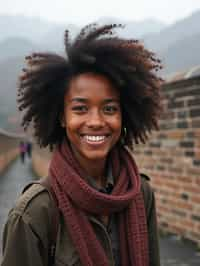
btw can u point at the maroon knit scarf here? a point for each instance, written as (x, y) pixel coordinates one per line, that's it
(77, 200)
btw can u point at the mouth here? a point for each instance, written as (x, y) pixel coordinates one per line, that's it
(94, 139)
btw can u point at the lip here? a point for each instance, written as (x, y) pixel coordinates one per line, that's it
(95, 143)
(95, 134)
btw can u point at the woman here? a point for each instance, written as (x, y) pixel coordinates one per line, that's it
(89, 108)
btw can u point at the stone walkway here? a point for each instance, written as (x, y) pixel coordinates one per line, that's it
(173, 251)
(11, 183)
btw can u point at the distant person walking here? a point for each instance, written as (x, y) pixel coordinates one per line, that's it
(29, 149)
(22, 149)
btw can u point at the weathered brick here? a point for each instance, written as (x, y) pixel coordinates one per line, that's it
(175, 134)
(155, 144)
(148, 152)
(189, 153)
(195, 218)
(179, 213)
(175, 104)
(182, 114)
(195, 124)
(193, 171)
(194, 113)
(185, 179)
(169, 143)
(183, 124)
(184, 196)
(167, 160)
(196, 163)
(195, 199)
(162, 136)
(177, 170)
(175, 161)
(184, 205)
(166, 126)
(187, 144)
(185, 93)
(197, 133)
(177, 229)
(164, 224)
(190, 134)
(160, 167)
(194, 102)
(191, 188)
(171, 185)
(167, 115)
(186, 223)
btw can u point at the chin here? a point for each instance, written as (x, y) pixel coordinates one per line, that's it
(96, 155)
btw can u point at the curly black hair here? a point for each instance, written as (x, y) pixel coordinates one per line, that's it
(97, 49)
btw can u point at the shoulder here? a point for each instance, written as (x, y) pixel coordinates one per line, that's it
(34, 197)
(147, 191)
(145, 185)
(34, 208)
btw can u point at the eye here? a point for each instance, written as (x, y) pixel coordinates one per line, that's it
(80, 108)
(111, 109)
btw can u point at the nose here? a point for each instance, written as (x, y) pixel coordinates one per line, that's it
(95, 119)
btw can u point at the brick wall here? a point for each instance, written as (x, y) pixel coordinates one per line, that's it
(172, 159)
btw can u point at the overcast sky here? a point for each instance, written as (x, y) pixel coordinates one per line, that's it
(84, 11)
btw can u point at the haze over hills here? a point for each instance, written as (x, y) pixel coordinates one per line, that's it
(32, 28)
(182, 55)
(169, 35)
(177, 45)
(48, 35)
(16, 46)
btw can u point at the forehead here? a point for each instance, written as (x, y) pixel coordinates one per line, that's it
(91, 85)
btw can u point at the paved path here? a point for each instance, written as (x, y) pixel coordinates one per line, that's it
(11, 183)
(173, 251)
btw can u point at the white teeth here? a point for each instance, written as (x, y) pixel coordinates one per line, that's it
(94, 138)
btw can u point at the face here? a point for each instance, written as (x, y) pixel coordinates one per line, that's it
(92, 116)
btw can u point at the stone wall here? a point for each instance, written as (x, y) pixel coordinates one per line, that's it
(8, 151)
(172, 159)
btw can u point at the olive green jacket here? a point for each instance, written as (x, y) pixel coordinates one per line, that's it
(26, 237)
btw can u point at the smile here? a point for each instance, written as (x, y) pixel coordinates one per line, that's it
(94, 139)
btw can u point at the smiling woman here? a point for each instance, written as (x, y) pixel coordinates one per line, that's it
(92, 119)
(90, 107)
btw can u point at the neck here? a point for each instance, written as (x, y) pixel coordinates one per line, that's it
(92, 168)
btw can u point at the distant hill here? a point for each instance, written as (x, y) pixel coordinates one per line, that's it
(183, 28)
(177, 44)
(21, 35)
(53, 40)
(135, 29)
(9, 69)
(40, 31)
(182, 54)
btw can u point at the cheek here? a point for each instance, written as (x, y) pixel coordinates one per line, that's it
(72, 123)
(117, 124)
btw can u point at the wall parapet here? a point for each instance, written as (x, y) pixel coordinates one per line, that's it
(8, 149)
(172, 158)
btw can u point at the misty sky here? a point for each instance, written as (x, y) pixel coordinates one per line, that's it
(84, 11)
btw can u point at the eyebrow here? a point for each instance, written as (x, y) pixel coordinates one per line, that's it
(83, 100)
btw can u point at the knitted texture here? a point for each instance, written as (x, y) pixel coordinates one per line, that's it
(77, 199)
